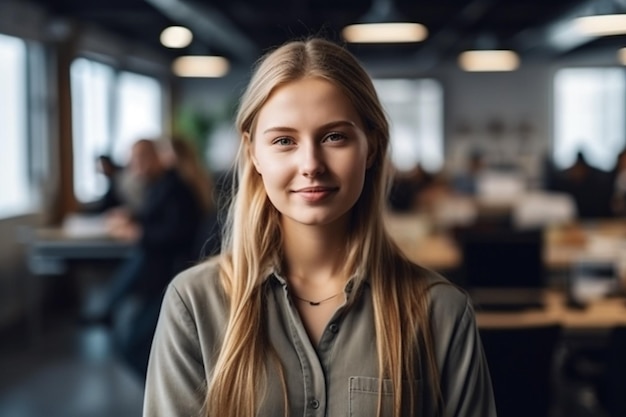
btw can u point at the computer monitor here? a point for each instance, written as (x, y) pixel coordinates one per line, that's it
(503, 267)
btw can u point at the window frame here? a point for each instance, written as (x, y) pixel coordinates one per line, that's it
(419, 85)
(113, 94)
(30, 202)
(558, 156)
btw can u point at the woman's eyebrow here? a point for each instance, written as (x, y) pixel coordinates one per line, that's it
(279, 129)
(337, 123)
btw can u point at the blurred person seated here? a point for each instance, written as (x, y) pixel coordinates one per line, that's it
(466, 182)
(132, 189)
(113, 196)
(124, 189)
(409, 189)
(163, 232)
(590, 187)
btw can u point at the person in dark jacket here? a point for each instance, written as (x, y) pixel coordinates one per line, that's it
(590, 188)
(164, 235)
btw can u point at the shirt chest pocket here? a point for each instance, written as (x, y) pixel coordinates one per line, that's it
(363, 400)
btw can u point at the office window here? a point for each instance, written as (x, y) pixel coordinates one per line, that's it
(15, 197)
(110, 111)
(415, 111)
(589, 115)
(92, 83)
(138, 112)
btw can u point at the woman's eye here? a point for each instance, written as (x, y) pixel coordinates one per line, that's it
(334, 137)
(283, 141)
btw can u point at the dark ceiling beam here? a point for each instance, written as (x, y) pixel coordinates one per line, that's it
(560, 36)
(210, 26)
(435, 48)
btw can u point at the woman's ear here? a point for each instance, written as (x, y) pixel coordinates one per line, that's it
(247, 140)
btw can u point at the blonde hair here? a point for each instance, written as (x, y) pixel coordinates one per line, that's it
(252, 242)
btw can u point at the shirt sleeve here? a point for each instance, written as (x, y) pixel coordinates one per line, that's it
(465, 381)
(175, 382)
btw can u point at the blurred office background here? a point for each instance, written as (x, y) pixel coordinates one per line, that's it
(508, 122)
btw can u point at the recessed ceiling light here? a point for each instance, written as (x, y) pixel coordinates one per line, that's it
(488, 60)
(384, 24)
(204, 66)
(176, 37)
(385, 32)
(601, 25)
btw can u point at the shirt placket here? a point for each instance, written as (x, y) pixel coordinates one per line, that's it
(314, 362)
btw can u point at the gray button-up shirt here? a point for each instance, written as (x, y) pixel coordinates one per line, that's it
(336, 378)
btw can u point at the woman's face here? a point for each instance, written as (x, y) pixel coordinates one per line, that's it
(311, 151)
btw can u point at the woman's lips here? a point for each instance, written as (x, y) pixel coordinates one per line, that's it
(315, 194)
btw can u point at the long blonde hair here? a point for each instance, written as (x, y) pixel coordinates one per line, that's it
(252, 242)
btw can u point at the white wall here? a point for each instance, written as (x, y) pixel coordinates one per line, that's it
(474, 101)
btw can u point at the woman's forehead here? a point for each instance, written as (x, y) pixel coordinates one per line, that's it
(307, 101)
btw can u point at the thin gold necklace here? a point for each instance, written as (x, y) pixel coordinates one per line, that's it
(316, 303)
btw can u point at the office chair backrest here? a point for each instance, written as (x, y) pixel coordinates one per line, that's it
(521, 364)
(616, 373)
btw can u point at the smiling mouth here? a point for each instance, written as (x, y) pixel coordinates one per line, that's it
(314, 194)
(315, 189)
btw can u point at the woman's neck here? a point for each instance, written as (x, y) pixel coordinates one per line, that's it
(314, 255)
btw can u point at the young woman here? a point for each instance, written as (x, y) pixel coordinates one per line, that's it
(311, 310)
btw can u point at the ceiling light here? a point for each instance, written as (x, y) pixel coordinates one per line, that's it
(621, 54)
(601, 25)
(200, 66)
(385, 32)
(176, 37)
(488, 60)
(383, 24)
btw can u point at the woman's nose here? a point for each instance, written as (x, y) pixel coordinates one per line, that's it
(312, 161)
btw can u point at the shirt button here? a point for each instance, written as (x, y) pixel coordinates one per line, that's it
(334, 328)
(315, 404)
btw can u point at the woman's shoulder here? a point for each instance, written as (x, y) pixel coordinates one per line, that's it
(199, 284)
(448, 302)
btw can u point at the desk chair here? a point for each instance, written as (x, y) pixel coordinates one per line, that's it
(616, 373)
(521, 364)
(603, 370)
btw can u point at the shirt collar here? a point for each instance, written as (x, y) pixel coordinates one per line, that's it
(277, 278)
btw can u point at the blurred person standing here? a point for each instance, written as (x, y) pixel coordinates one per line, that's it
(163, 232)
(183, 156)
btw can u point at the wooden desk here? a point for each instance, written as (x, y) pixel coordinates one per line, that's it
(50, 250)
(564, 245)
(600, 315)
(81, 237)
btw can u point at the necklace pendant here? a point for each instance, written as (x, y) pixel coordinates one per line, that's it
(314, 303)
